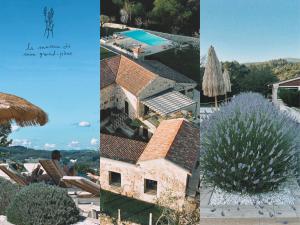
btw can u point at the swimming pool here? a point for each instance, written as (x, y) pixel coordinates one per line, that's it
(145, 37)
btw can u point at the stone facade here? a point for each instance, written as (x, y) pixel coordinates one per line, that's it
(126, 83)
(115, 95)
(107, 97)
(156, 86)
(168, 176)
(123, 95)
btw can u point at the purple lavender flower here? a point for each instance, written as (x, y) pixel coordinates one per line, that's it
(257, 146)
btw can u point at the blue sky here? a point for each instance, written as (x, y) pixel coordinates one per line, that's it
(67, 88)
(250, 30)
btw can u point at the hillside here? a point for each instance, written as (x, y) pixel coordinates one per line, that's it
(293, 60)
(22, 154)
(283, 69)
(288, 60)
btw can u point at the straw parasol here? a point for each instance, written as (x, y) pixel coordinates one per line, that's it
(24, 113)
(227, 82)
(213, 82)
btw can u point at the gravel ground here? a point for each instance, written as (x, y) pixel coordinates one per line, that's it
(275, 221)
(283, 197)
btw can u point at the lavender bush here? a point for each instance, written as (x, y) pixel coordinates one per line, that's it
(249, 146)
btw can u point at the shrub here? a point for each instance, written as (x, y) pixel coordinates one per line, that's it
(41, 204)
(249, 146)
(290, 97)
(7, 192)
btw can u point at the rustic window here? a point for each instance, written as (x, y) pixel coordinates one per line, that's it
(150, 186)
(114, 179)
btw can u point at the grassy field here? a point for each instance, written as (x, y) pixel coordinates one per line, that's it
(104, 53)
(131, 209)
(186, 61)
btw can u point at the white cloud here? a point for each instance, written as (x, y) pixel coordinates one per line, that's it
(22, 142)
(94, 141)
(49, 146)
(84, 124)
(15, 128)
(73, 144)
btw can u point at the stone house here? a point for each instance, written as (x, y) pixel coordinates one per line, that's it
(129, 85)
(150, 171)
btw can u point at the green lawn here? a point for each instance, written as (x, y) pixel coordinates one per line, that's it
(104, 53)
(186, 61)
(131, 209)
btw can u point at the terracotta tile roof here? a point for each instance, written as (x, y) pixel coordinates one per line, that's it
(109, 69)
(125, 72)
(132, 76)
(120, 148)
(113, 63)
(176, 140)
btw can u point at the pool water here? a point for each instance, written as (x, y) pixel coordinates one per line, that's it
(145, 37)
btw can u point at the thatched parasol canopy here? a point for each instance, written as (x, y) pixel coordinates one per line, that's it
(227, 80)
(14, 108)
(213, 82)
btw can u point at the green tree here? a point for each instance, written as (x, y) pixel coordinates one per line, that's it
(237, 72)
(174, 14)
(258, 79)
(118, 2)
(128, 9)
(138, 9)
(83, 169)
(104, 19)
(5, 130)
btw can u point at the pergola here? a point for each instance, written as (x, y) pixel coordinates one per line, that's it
(168, 102)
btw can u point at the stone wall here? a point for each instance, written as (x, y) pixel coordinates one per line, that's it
(123, 95)
(107, 97)
(157, 86)
(169, 177)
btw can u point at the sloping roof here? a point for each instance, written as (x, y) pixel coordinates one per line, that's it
(113, 63)
(108, 71)
(165, 71)
(133, 75)
(125, 72)
(168, 102)
(290, 82)
(176, 140)
(120, 148)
